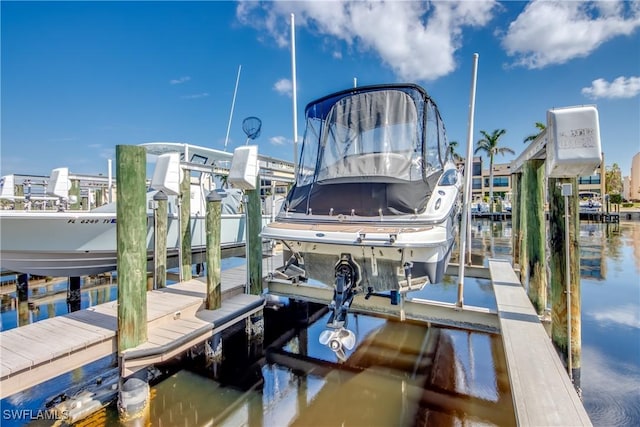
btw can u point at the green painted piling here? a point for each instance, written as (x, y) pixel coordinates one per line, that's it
(161, 218)
(19, 191)
(131, 234)
(75, 191)
(185, 225)
(213, 223)
(557, 264)
(254, 240)
(534, 171)
(99, 197)
(516, 180)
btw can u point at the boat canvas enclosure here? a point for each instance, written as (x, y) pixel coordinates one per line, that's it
(369, 151)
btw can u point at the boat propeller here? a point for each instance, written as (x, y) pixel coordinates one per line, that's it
(338, 340)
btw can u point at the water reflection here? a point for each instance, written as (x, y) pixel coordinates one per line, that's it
(399, 374)
(611, 323)
(46, 298)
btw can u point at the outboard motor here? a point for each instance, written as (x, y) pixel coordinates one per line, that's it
(337, 337)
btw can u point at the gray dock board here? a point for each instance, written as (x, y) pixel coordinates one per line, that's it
(50, 347)
(542, 391)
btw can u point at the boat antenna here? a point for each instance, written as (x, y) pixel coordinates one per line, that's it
(294, 94)
(251, 127)
(233, 104)
(467, 183)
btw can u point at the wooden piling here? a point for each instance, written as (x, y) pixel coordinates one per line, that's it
(516, 181)
(160, 240)
(254, 240)
(213, 223)
(557, 263)
(19, 203)
(185, 225)
(522, 215)
(22, 294)
(534, 171)
(99, 198)
(75, 191)
(131, 236)
(73, 294)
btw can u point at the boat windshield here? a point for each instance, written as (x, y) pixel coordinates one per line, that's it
(375, 134)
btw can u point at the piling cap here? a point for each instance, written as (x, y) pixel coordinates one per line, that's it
(160, 196)
(214, 196)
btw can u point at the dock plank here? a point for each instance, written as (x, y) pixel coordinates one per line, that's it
(43, 350)
(542, 391)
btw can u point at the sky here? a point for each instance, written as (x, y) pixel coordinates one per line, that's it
(79, 78)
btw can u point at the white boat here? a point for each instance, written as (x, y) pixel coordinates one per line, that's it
(375, 204)
(479, 207)
(589, 202)
(79, 243)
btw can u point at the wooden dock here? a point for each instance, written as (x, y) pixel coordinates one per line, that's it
(176, 320)
(543, 394)
(542, 391)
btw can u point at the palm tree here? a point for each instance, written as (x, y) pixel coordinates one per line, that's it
(451, 151)
(224, 180)
(489, 144)
(541, 127)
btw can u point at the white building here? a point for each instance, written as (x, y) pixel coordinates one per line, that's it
(634, 189)
(626, 187)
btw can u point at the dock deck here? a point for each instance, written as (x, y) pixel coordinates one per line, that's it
(543, 394)
(176, 319)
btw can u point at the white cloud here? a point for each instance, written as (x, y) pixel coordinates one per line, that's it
(554, 32)
(626, 315)
(196, 95)
(417, 40)
(610, 387)
(279, 140)
(622, 87)
(284, 87)
(182, 79)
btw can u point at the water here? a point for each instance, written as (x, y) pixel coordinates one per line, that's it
(399, 374)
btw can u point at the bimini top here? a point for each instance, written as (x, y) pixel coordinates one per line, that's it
(370, 139)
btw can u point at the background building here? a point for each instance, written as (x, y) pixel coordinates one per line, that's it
(634, 179)
(592, 184)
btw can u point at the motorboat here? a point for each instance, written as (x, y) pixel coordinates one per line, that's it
(374, 207)
(479, 207)
(79, 243)
(589, 202)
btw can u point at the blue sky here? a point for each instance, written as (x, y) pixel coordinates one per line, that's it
(79, 78)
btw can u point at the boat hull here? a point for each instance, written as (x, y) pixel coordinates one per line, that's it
(388, 257)
(80, 244)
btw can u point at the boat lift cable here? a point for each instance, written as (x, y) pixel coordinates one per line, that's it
(467, 184)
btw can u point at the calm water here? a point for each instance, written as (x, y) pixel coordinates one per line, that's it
(399, 374)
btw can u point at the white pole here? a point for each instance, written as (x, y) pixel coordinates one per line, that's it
(567, 190)
(467, 183)
(233, 104)
(109, 180)
(355, 82)
(294, 94)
